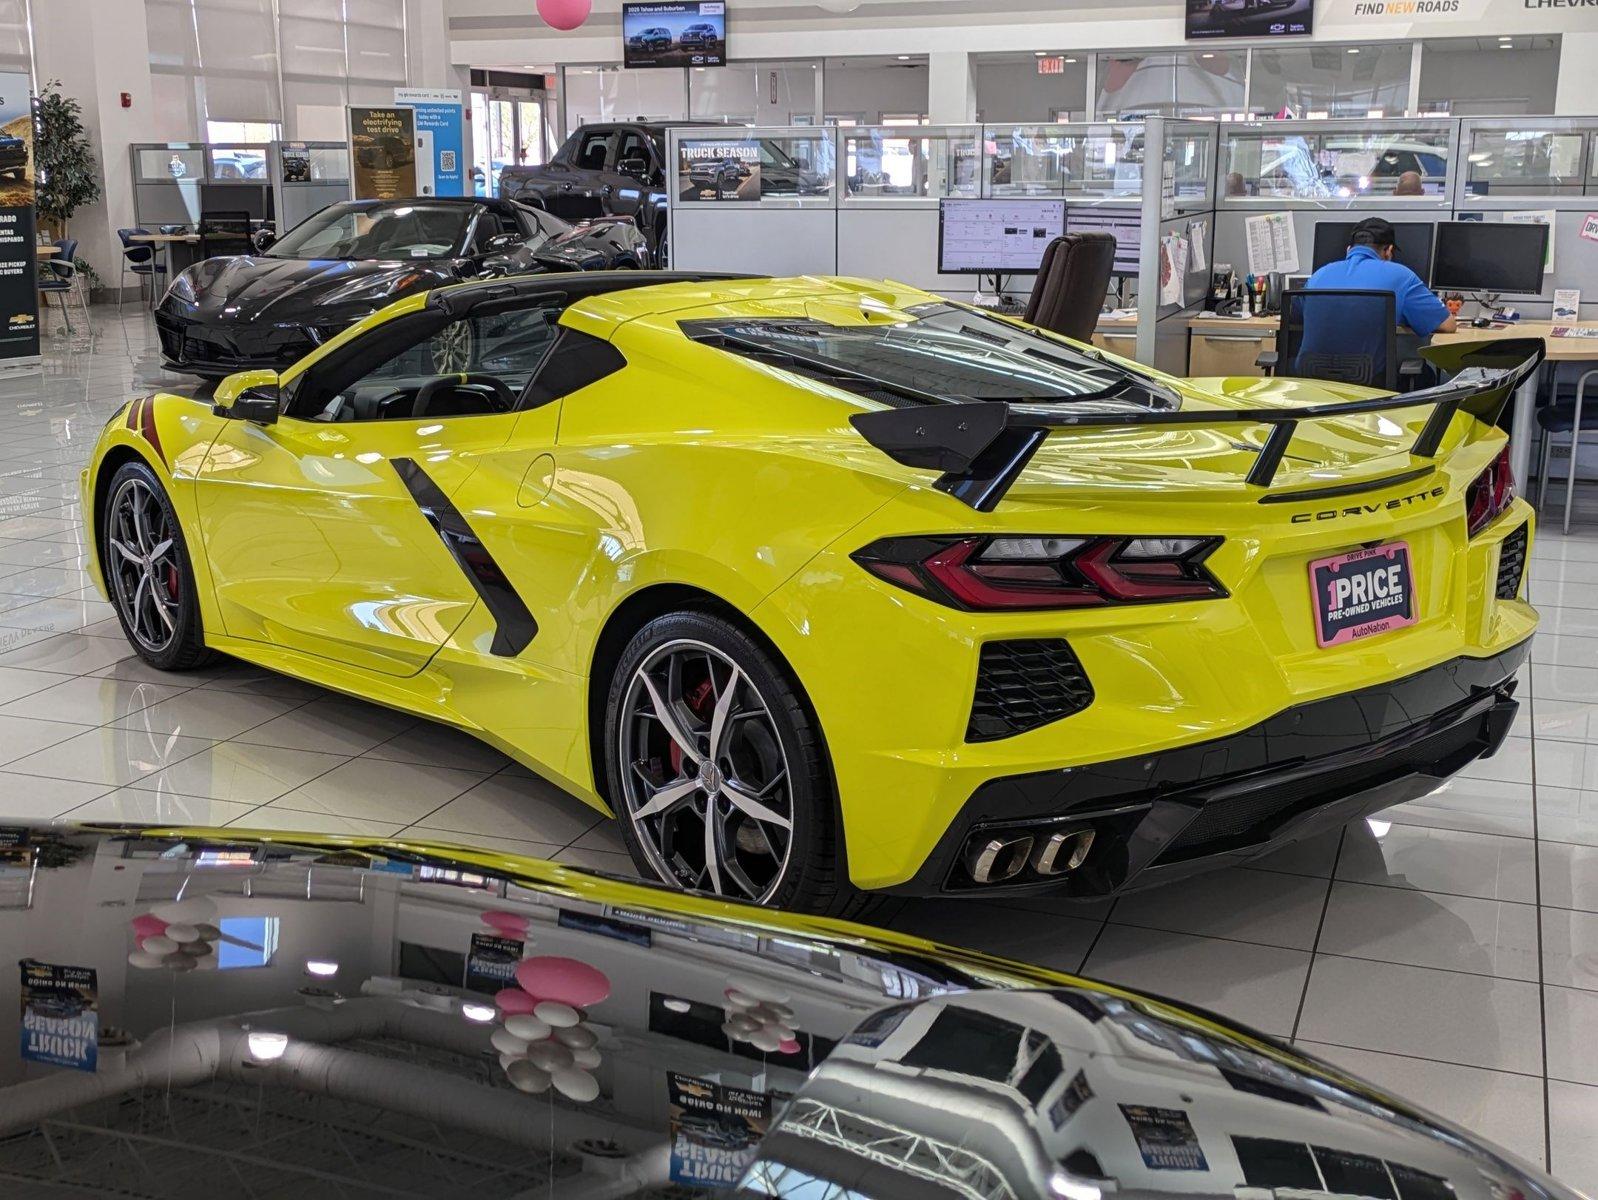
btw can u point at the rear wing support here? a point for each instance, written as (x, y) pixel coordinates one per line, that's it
(982, 448)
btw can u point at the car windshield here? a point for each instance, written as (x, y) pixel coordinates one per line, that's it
(407, 229)
(932, 353)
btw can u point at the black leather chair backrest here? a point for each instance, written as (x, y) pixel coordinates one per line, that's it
(1072, 282)
(1344, 336)
(224, 232)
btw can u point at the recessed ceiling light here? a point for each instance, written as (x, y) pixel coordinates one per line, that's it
(1353, 49)
(1040, 54)
(904, 58)
(267, 1046)
(321, 967)
(678, 1006)
(1211, 54)
(1505, 46)
(479, 1014)
(1070, 60)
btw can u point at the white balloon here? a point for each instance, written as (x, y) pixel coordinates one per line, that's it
(738, 999)
(145, 961)
(527, 1027)
(759, 989)
(780, 1012)
(743, 1024)
(786, 1033)
(160, 944)
(505, 1061)
(552, 1056)
(578, 1037)
(179, 932)
(553, 1012)
(576, 1085)
(189, 912)
(507, 1042)
(765, 1039)
(735, 1035)
(526, 1077)
(196, 949)
(586, 1057)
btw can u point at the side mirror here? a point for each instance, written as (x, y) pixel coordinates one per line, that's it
(249, 396)
(263, 239)
(638, 168)
(503, 243)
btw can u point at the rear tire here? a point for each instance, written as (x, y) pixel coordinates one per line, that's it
(147, 571)
(759, 768)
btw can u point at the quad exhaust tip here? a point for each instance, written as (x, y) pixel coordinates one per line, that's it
(994, 858)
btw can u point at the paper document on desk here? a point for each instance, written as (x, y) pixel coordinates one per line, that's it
(1272, 243)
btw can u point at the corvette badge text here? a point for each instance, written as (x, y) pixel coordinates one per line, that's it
(1367, 510)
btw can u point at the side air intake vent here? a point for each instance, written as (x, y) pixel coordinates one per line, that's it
(1024, 684)
(1512, 564)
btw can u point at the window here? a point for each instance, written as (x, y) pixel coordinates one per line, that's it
(243, 132)
(634, 145)
(355, 230)
(246, 942)
(1332, 81)
(942, 353)
(1186, 84)
(593, 148)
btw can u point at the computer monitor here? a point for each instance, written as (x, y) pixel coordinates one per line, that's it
(1125, 224)
(1490, 256)
(996, 237)
(1412, 244)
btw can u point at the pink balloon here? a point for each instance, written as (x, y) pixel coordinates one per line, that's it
(147, 924)
(505, 922)
(788, 1046)
(564, 14)
(550, 977)
(513, 1000)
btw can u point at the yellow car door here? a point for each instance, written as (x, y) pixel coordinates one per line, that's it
(331, 531)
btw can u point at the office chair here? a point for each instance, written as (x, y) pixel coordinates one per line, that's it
(225, 232)
(1570, 412)
(139, 258)
(1341, 336)
(1072, 281)
(58, 275)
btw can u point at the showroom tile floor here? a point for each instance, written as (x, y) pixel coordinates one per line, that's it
(1448, 950)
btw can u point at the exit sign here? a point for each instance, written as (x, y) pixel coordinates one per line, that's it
(1054, 64)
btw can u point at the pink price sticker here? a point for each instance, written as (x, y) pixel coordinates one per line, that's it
(1589, 227)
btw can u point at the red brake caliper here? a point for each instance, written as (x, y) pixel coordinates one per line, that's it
(172, 581)
(698, 702)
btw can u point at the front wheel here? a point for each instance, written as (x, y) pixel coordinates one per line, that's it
(148, 573)
(717, 770)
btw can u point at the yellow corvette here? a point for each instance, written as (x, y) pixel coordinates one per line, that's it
(828, 587)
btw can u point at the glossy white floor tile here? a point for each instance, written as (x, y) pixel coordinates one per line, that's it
(1447, 951)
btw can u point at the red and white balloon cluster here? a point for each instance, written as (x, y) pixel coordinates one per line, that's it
(180, 935)
(758, 1013)
(544, 1040)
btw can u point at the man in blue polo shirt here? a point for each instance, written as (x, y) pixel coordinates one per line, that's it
(1369, 267)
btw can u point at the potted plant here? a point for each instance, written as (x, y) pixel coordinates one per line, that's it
(66, 174)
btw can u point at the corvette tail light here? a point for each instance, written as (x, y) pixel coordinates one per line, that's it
(1489, 494)
(992, 573)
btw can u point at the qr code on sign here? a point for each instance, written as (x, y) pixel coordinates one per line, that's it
(446, 161)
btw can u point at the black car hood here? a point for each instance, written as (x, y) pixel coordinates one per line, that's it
(249, 288)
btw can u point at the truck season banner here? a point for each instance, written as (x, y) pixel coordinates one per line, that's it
(714, 1130)
(383, 152)
(60, 1015)
(19, 298)
(718, 169)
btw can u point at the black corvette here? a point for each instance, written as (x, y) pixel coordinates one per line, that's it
(240, 312)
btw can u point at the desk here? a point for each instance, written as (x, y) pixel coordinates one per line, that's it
(1117, 335)
(44, 252)
(163, 243)
(1559, 350)
(1228, 346)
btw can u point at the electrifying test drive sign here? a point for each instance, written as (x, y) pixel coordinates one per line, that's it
(60, 1015)
(1362, 593)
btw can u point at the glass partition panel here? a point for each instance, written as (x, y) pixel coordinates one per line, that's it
(755, 93)
(1084, 161)
(233, 164)
(1013, 86)
(329, 163)
(1192, 151)
(754, 164)
(897, 161)
(1525, 162)
(1292, 162)
(595, 94)
(1195, 83)
(1331, 81)
(160, 163)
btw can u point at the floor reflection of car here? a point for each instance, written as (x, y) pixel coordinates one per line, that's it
(656, 37)
(914, 1071)
(265, 310)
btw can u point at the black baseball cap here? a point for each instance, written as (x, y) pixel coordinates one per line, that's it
(1373, 231)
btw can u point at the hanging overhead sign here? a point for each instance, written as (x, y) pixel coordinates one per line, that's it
(19, 296)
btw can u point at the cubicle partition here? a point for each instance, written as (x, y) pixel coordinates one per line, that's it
(306, 178)
(1177, 250)
(174, 182)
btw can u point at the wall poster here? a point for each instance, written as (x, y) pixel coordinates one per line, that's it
(60, 1015)
(438, 111)
(715, 1130)
(383, 153)
(19, 296)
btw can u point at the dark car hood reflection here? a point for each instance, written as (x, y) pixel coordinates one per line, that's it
(244, 289)
(207, 1013)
